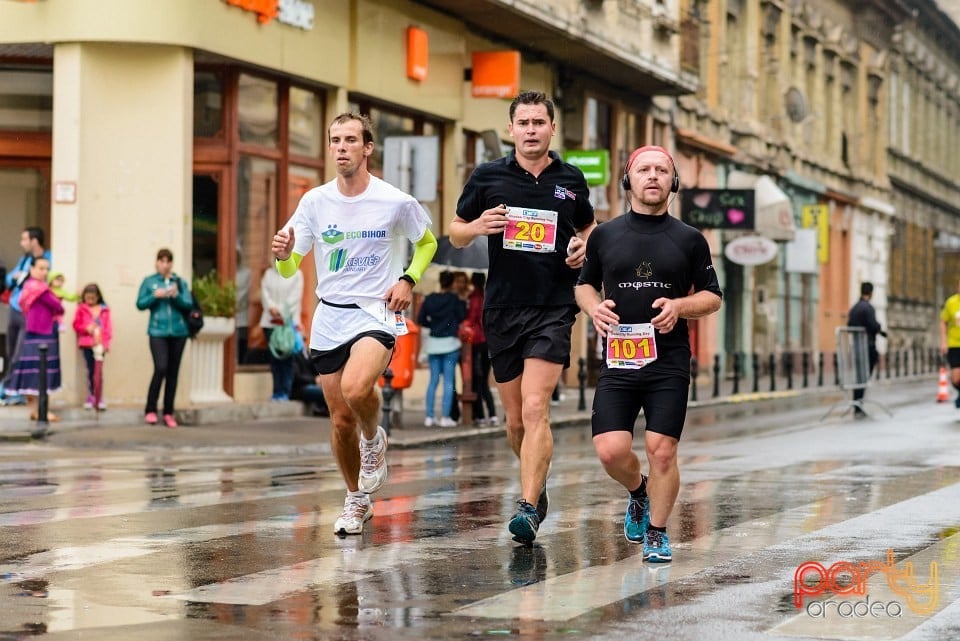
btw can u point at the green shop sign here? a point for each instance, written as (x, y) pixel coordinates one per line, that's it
(594, 163)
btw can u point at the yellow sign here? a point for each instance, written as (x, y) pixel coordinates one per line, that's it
(818, 217)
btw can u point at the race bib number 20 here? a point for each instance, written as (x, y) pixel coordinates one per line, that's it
(530, 230)
(631, 346)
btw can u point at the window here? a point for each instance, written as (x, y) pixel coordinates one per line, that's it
(388, 121)
(306, 123)
(207, 104)
(249, 176)
(26, 100)
(256, 223)
(257, 103)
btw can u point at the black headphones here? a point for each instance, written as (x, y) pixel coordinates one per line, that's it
(674, 186)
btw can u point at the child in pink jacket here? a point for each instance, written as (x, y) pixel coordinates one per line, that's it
(92, 324)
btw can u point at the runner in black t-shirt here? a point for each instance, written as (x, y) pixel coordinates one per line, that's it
(655, 272)
(536, 210)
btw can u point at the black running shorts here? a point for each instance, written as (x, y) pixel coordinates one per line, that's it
(515, 334)
(332, 360)
(953, 357)
(618, 400)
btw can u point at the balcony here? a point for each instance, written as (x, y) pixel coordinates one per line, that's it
(585, 35)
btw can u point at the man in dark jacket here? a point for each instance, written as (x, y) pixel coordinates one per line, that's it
(863, 315)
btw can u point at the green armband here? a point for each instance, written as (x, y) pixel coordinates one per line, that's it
(289, 267)
(423, 251)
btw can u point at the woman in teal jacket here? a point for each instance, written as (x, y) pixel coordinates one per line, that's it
(168, 298)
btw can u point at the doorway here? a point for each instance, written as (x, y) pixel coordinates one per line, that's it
(24, 202)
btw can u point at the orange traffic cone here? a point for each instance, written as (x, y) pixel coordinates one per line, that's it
(943, 388)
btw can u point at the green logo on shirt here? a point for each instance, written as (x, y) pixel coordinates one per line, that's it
(332, 235)
(338, 259)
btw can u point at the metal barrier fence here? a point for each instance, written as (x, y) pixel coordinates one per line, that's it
(739, 372)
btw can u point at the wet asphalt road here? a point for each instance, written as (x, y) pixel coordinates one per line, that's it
(215, 543)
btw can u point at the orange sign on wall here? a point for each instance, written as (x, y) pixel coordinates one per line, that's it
(496, 74)
(418, 53)
(266, 10)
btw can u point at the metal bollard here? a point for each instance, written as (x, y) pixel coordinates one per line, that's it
(694, 372)
(788, 368)
(582, 379)
(388, 393)
(805, 367)
(836, 370)
(820, 369)
(736, 372)
(886, 363)
(43, 400)
(772, 368)
(756, 372)
(896, 364)
(716, 375)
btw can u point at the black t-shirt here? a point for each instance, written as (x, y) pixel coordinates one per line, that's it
(522, 278)
(637, 259)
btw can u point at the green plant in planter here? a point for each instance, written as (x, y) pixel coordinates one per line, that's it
(215, 298)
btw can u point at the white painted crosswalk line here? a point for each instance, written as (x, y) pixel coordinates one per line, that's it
(565, 597)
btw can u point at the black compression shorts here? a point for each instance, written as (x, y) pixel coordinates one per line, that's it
(618, 400)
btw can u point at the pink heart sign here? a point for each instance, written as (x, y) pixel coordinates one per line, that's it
(735, 216)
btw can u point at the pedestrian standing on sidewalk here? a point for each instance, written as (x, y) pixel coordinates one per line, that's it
(33, 244)
(40, 310)
(950, 338)
(863, 315)
(168, 298)
(91, 322)
(480, 353)
(352, 224)
(536, 210)
(441, 313)
(655, 272)
(281, 299)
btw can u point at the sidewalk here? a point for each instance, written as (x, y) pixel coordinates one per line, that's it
(283, 427)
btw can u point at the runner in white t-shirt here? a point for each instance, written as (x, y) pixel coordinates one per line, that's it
(357, 226)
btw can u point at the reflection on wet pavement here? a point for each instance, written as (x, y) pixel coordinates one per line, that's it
(181, 544)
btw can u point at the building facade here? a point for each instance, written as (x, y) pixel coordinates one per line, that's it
(196, 125)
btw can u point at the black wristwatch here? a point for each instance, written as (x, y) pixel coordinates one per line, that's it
(409, 279)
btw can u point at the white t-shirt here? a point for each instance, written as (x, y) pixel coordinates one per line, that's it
(359, 242)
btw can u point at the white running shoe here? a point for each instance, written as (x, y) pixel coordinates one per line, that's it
(446, 421)
(373, 463)
(428, 421)
(357, 510)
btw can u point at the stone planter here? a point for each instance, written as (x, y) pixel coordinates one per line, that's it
(207, 361)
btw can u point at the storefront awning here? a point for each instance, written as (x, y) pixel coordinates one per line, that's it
(774, 210)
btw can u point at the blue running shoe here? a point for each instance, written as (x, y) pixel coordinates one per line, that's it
(525, 524)
(656, 547)
(637, 518)
(956, 403)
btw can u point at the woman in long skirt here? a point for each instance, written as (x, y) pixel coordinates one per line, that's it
(40, 309)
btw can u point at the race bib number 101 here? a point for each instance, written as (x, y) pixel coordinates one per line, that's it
(530, 230)
(631, 346)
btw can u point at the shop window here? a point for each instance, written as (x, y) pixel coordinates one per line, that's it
(257, 110)
(389, 122)
(207, 104)
(256, 223)
(306, 123)
(26, 100)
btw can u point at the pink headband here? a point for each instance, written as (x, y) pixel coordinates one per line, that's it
(640, 150)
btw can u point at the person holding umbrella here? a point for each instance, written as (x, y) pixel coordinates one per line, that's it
(91, 322)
